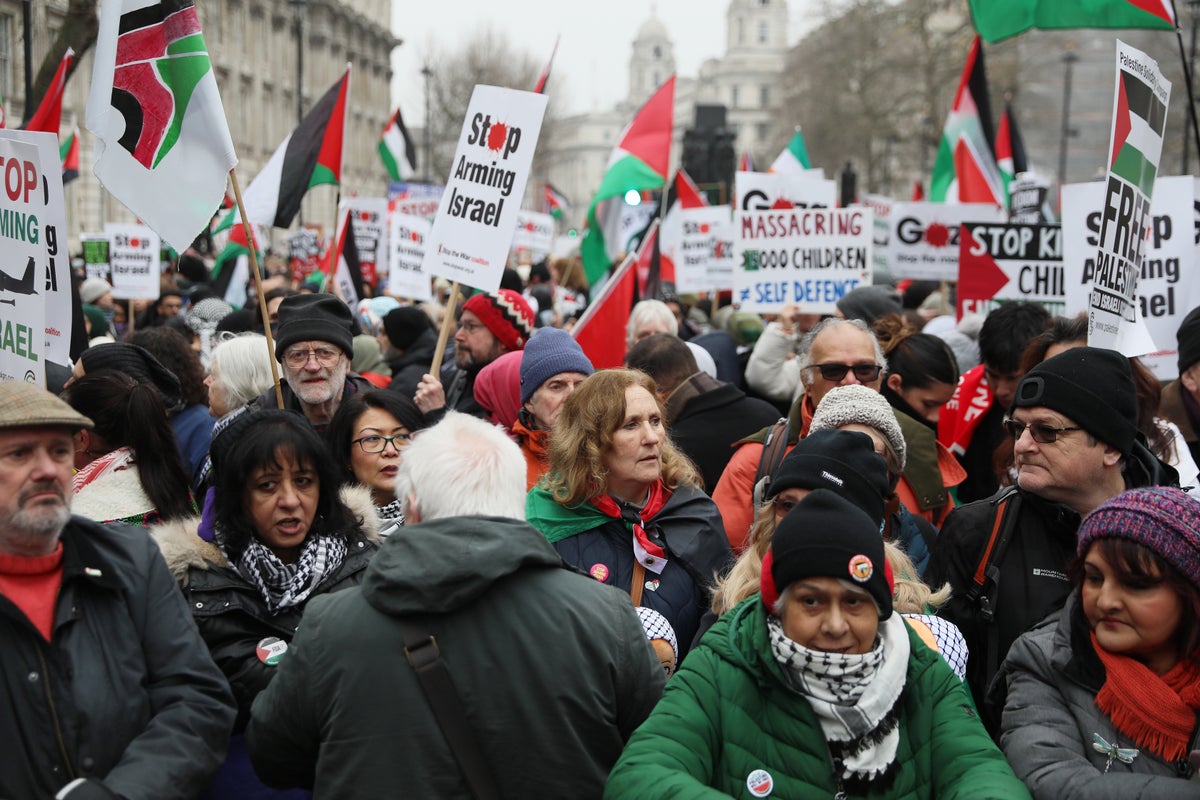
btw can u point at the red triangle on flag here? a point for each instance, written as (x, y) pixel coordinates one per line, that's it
(973, 183)
(687, 192)
(1121, 121)
(601, 329)
(1155, 7)
(648, 136)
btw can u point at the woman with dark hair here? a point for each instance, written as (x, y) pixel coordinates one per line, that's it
(1102, 700)
(284, 535)
(621, 502)
(192, 423)
(921, 376)
(367, 437)
(129, 465)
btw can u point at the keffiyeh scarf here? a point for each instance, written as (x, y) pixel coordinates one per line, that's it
(287, 585)
(854, 696)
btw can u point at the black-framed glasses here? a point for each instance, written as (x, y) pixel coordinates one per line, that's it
(1040, 431)
(326, 357)
(864, 373)
(377, 444)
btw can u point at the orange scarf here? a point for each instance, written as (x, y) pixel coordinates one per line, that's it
(1157, 713)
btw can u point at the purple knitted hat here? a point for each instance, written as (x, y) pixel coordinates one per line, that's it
(1165, 521)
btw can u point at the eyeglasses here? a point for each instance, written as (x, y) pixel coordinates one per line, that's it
(377, 444)
(325, 356)
(1040, 431)
(471, 327)
(865, 373)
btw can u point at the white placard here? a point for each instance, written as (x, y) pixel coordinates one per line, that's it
(923, 239)
(133, 259)
(534, 234)
(474, 226)
(703, 256)
(370, 234)
(810, 257)
(406, 251)
(759, 191)
(23, 243)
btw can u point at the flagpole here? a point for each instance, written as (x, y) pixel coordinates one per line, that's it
(331, 276)
(262, 300)
(444, 334)
(1187, 79)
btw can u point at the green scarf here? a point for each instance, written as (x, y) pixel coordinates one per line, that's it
(558, 522)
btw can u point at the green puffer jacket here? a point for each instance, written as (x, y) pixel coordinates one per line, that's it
(727, 715)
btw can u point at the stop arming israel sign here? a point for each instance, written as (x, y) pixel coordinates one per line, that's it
(810, 257)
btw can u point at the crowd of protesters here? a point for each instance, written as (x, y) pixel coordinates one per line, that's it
(887, 553)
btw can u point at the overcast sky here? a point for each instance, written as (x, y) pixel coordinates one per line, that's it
(591, 69)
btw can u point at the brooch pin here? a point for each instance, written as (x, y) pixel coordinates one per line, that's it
(1125, 755)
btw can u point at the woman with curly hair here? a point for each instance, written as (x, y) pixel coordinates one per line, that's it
(622, 503)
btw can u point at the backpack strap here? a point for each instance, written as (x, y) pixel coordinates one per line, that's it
(774, 449)
(423, 654)
(985, 583)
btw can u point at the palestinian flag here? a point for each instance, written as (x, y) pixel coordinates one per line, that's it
(397, 150)
(794, 157)
(162, 143)
(1010, 148)
(68, 153)
(1137, 136)
(231, 270)
(554, 201)
(918, 192)
(310, 156)
(600, 332)
(639, 162)
(347, 269)
(746, 163)
(965, 170)
(540, 86)
(48, 114)
(649, 265)
(1000, 19)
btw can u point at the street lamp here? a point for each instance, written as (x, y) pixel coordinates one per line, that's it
(1069, 58)
(427, 74)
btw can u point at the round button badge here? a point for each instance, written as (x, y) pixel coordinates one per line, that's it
(270, 650)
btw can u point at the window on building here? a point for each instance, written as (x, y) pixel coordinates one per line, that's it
(760, 132)
(741, 31)
(762, 33)
(733, 100)
(656, 79)
(7, 47)
(764, 3)
(764, 96)
(657, 51)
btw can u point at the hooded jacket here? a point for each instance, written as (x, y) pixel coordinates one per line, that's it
(553, 669)
(1048, 688)
(728, 715)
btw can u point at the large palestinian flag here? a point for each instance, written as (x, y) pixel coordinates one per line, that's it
(965, 170)
(639, 163)
(310, 156)
(162, 143)
(1000, 19)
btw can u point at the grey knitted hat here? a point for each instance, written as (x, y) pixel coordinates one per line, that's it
(843, 405)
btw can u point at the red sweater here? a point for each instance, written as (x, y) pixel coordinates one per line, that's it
(32, 584)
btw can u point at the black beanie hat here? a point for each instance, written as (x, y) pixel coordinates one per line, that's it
(1188, 337)
(404, 326)
(869, 303)
(1091, 385)
(827, 536)
(844, 462)
(139, 364)
(314, 318)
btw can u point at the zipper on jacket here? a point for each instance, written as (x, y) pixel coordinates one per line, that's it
(62, 744)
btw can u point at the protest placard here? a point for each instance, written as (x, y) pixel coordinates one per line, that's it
(22, 274)
(370, 234)
(704, 253)
(1140, 103)
(1006, 261)
(882, 206)
(95, 256)
(759, 191)
(415, 199)
(923, 239)
(534, 236)
(133, 259)
(1027, 196)
(811, 257)
(406, 251)
(474, 226)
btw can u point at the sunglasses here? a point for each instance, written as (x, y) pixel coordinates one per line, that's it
(864, 373)
(1040, 431)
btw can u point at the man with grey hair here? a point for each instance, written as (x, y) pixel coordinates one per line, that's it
(551, 670)
(835, 352)
(111, 692)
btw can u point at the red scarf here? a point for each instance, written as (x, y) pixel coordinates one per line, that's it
(959, 417)
(635, 521)
(1157, 713)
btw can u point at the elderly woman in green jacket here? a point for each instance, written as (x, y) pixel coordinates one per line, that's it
(815, 688)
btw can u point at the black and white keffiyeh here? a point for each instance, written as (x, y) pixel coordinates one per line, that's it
(391, 516)
(286, 585)
(854, 696)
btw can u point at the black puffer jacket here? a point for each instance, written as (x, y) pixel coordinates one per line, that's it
(124, 693)
(230, 610)
(409, 366)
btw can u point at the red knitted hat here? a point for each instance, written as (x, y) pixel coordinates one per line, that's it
(505, 314)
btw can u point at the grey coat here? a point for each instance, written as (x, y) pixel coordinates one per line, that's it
(1050, 680)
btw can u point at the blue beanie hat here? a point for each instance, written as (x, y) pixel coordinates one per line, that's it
(549, 352)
